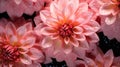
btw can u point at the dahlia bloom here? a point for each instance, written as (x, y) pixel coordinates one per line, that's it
(95, 58)
(110, 9)
(18, 46)
(72, 24)
(16, 8)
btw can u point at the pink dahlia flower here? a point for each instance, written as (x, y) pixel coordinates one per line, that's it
(110, 9)
(18, 46)
(95, 58)
(69, 21)
(15, 8)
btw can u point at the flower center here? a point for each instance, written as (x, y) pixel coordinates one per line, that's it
(9, 53)
(66, 30)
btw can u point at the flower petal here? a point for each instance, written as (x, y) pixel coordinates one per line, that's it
(21, 31)
(18, 1)
(110, 19)
(108, 57)
(46, 42)
(106, 9)
(25, 59)
(47, 31)
(74, 42)
(35, 54)
(10, 29)
(28, 43)
(77, 30)
(66, 40)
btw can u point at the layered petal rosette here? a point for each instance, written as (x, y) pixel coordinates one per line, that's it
(96, 58)
(71, 22)
(18, 46)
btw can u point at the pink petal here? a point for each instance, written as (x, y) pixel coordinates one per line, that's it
(2, 30)
(10, 29)
(25, 59)
(18, 1)
(77, 30)
(28, 43)
(108, 57)
(53, 10)
(84, 44)
(28, 26)
(21, 30)
(80, 37)
(66, 40)
(35, 54)
(67, 48)
(47, 31)
(44, 14)
(110, 19)
(107, 9)
(74, 42)
(88, 30)
(46, 42)
(93, 38)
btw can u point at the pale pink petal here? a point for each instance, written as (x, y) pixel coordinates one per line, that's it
(21, 30)
(110, 19)
(108, 57)
(2, 30)
(28, 26)
(17, 1)
(46, 42)
(67, 48)
(28, 43)
(10, 29)
(74, 42)
(106, 9)
(66, 40)
(47, 31)
(79, 51)
(77, 30)
(88, 30)
(25, 59)
(53, 10)
(44, 14)
(35, 54)
(93, 38)
(80, 37)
